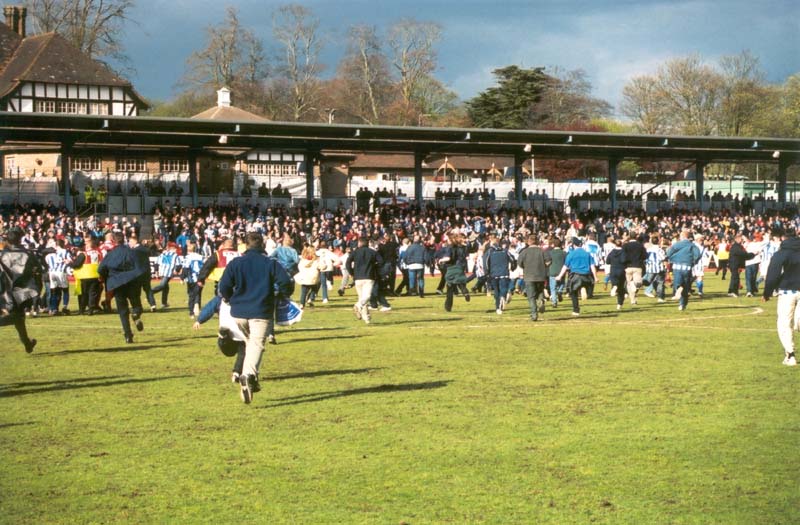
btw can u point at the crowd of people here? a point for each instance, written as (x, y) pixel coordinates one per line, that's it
(501, 253)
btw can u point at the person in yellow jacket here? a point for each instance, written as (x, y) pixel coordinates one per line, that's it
(88, 195)
(87, 278)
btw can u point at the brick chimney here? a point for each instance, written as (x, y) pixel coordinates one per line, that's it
(15, 18)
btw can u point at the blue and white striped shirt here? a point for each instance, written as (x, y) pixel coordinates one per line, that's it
(655, 260)
(57, 261)
(192, 263)
(166, 263)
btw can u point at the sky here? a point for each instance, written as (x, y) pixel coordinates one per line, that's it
(613, 41)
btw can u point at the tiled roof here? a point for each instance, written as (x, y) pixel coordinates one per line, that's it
(9, 41)
(231, 113)
(389, 162)
(50, 58)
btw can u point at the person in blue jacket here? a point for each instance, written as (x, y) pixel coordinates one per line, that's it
(249, 284)
(683, 255)
(783, 278)
(122, 270)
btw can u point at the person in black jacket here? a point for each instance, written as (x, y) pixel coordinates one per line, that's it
(363, 265)
(635, 260)
(19, 287)
(122, 271)
(783, 277)
(736, 262)
(617, 263)
(455, 275)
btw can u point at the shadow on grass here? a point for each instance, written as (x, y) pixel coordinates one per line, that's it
(57, 386)
(329, 338)
(42, 383)
(320, 373)
(290, 329)
(380, 389)
(8, 425)
(113, 349)
(419, 321)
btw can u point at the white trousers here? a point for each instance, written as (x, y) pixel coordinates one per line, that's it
(364, 291)
(255, 332)
(788, 319)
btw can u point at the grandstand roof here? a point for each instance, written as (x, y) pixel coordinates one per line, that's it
(149, 132)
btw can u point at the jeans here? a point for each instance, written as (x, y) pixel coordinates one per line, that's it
(555, 290)
(416, 281)
(55, 298)
(307, 293)
(194, 291)
(162, 287)
(535, 292)
(501, 286)
(751, 278)
(683, 281)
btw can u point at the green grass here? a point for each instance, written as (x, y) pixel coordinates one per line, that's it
(649, 415)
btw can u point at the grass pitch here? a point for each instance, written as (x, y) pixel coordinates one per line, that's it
(648, 415)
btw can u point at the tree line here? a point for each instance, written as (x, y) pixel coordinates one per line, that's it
(388, 76)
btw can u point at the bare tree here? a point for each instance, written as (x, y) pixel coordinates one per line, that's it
(364, 75)
(743, 93)
(93, 26)
(691, 91)
(414, 59)
(297, 30)
(642, 104)
(567, 99)
(233, 57)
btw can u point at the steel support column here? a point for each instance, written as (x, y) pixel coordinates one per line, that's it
(518, 160)
(311, 158)
(193, 182)
(66, 166)
(418, 158)
(699, 179)
(783, 166)
(612, 183)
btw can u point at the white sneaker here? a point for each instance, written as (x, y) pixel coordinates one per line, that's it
(324, 301)
(613, 291)
(681, 307)
(662, 301)
(502, 304)
(648, 294)
(499, 311)
(749, 294)
(357, 312)
(509, 295)
(619, 307)
(576, 314)
(790, 360)
(386, 308)
(196, 310)
(584, 294)
(235, 377)
(633, 301)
